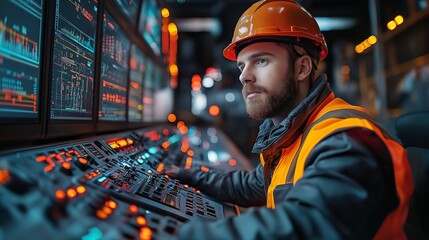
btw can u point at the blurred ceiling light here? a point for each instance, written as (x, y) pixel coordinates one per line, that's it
(211, 25)
(335, 23)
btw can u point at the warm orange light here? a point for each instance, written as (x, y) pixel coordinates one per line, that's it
(174, 70)
(204, 169)
(180, 124)
(172, 29)
(66, 165)
(185, 146)
(81, 189)
(165, 13)
(71, 193)
(391, 25)
(4, 176)
(134, 85)
(60, 194)
(359, 48)
(188, 163)
(196, 82)
(145, 233)
(232, 162)
(183, 130)
(107, 210)
(166, 144)
(111, 204)
(399, 19)
(171, 117)
(214, 110)
(133, 209)
(191, 152)
(372, 39)
(160, 167)
(83, 161)
(101, 214)
(141, 220)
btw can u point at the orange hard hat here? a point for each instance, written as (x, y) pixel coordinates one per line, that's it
(272, 19)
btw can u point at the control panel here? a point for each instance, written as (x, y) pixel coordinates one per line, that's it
(107, 187)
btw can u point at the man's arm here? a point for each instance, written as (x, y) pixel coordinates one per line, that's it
(346, 193)
(238, 187)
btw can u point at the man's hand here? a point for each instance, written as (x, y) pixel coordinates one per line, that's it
(172, 170)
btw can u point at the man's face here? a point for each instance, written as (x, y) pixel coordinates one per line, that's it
(267, 76)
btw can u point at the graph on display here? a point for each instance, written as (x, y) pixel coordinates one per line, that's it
(135, 94)
(73, 59)
(114, 69)
(20, 44)
(129, 8)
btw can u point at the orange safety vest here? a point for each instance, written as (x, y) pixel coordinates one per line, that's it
(333, 115)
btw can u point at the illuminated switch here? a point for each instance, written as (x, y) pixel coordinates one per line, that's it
(82, 164)
(66, 168)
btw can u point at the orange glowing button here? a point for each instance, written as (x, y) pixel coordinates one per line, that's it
(71, 193)
(160, 167)
(141, 220)
(191, 153)
(49, 168)
(133, 209)
(204, 169)
(40, 158)
(66, 166)
(83, 161)
(101, 214)
(122, 143)
(60, 194)
(111, 204)
(145, 233)
(4, 176)
(107, 210)
(81, 189)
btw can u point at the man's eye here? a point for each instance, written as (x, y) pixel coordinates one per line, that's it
(261, 61)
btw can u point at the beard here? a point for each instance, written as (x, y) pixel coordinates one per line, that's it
(273, 104)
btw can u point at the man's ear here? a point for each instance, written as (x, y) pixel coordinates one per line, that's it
(303, 67)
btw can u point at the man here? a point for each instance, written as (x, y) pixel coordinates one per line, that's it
(327, 170)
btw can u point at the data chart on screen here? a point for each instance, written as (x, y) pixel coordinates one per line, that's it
(72, 79)
(114, 71)
(20, 58)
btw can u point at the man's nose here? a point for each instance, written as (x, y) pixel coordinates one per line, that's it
(247, 76)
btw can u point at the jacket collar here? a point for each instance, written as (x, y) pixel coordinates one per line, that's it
(270, 136)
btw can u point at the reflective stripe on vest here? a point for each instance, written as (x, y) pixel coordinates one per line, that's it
(338, 116)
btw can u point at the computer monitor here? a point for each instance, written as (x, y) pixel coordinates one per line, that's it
(72, 79)
(20, 60)
(150, 25)
(71, 95)
(21, 54)
(129, 8)
(114, 72)
(135, 92)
